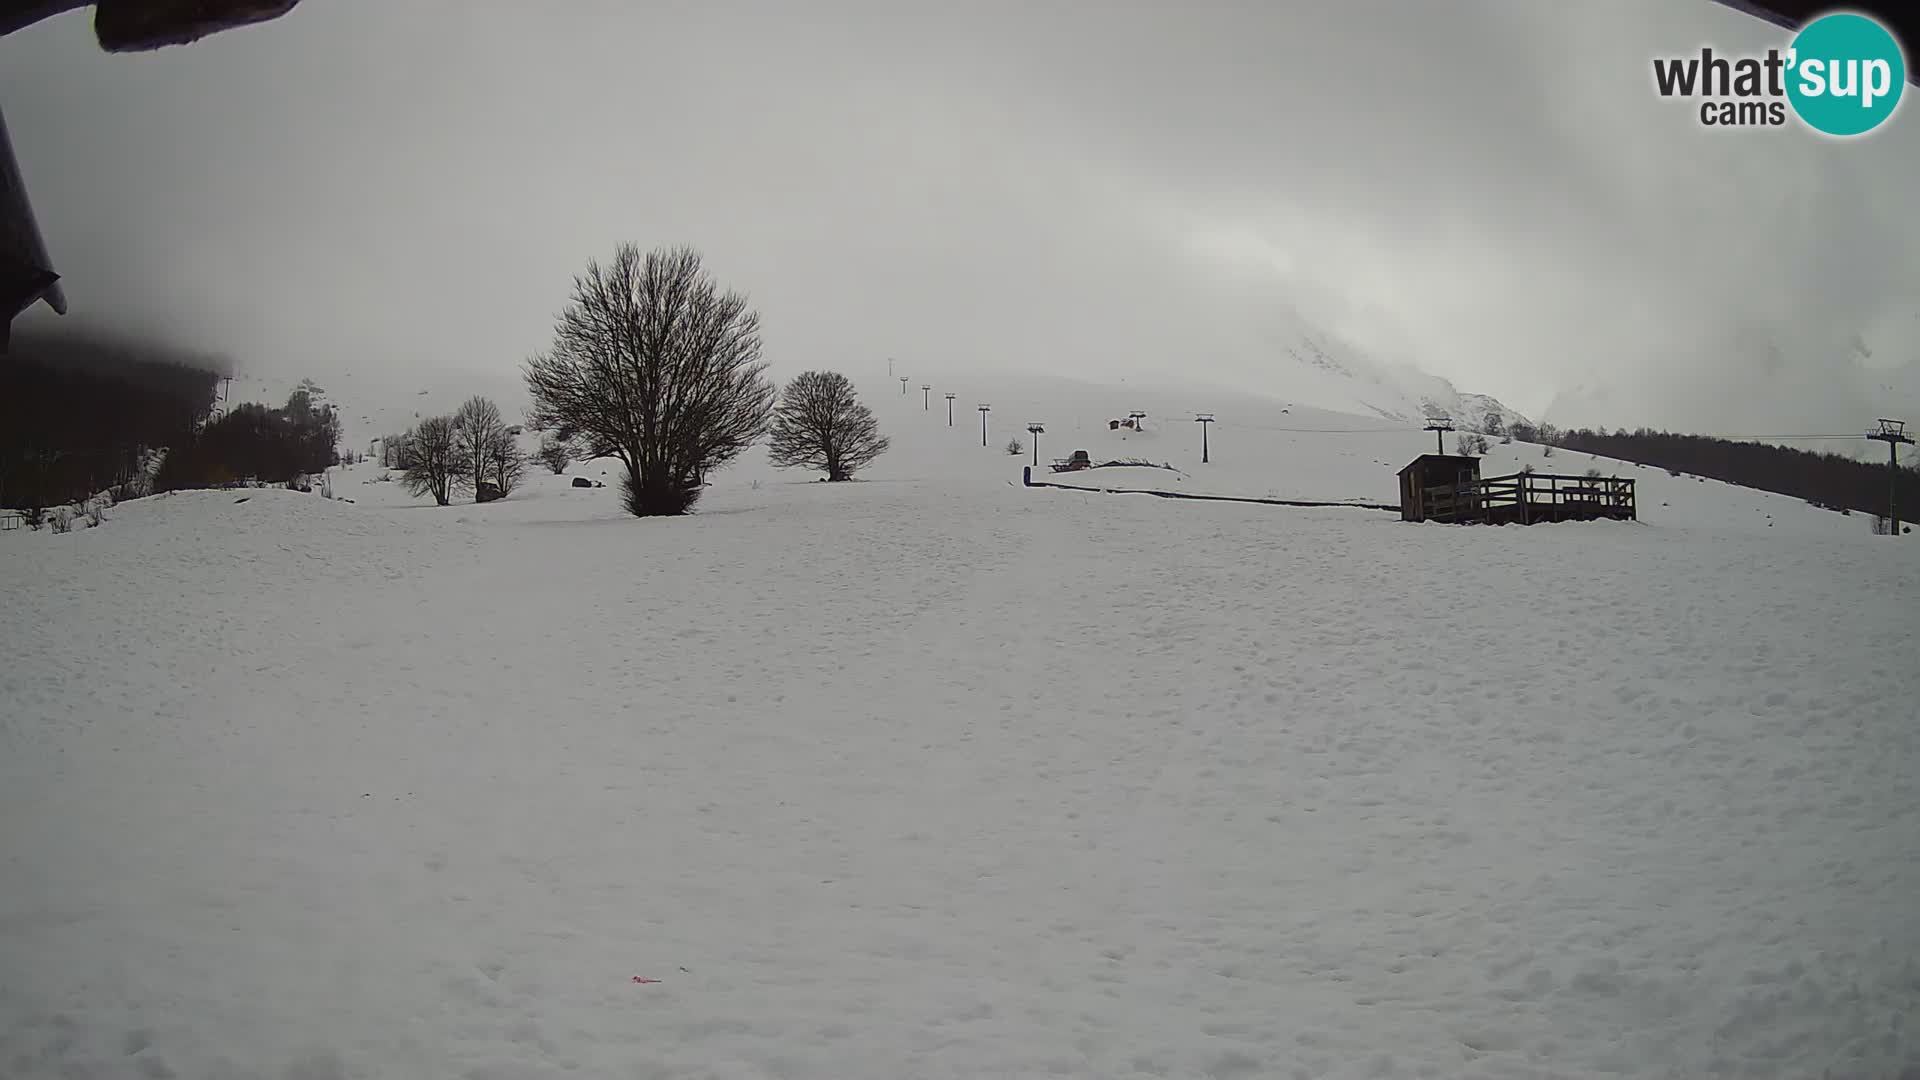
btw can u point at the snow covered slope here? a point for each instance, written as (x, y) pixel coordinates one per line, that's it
(1258, 448)
(1341, 379)
(939, 776)
(1303, 368)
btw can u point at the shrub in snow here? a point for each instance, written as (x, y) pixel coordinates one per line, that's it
(60, 520)
(1472, 444)
(1015, 447)
(1593, 474)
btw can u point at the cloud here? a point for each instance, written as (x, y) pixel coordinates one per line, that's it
(1490, 191)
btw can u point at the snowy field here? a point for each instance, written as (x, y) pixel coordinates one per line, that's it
(938, 776)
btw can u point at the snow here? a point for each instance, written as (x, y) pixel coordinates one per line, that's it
(939, 776)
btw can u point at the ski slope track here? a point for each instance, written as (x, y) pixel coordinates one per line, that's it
(934, 775)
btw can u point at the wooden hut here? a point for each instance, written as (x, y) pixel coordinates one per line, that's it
(1438, 487)
(1449, 488)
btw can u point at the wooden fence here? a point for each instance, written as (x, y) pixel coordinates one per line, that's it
(1526, 498)
(1029, 481)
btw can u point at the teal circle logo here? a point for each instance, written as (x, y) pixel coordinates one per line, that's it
(1845, 74)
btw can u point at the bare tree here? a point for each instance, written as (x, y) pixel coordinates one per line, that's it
(1015, 447)
(554, 454)
(506, 465)
(654, 365)
(393, 451)
(432, 461)
(477, 432)
(819, 424)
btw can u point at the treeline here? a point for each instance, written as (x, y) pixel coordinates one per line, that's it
(79, 416)
(253, 441)
(1824, 479)
(82, 415)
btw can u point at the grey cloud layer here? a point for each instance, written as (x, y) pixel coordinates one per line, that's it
(1490, 191)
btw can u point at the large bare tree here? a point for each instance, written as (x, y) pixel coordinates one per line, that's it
(431, 459)
(654, 365)
(477, 432)
(506, 464)
(820, 424)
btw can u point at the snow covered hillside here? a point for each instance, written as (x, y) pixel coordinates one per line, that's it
(1258, 448)
(1305, 368)
(935, 775)
(1342, 379)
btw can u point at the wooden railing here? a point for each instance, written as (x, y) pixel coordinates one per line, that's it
(1526, 497)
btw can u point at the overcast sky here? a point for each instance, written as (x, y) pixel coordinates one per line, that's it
(1488, 191)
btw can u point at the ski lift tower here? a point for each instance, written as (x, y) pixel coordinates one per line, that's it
(1893, 433)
